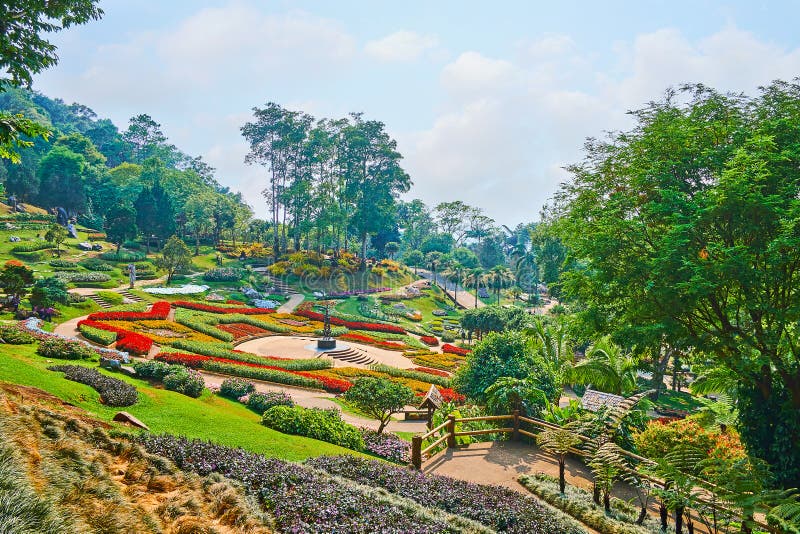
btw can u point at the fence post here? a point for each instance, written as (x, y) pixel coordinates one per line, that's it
(515, 435)
(451, 431)
(416, 452)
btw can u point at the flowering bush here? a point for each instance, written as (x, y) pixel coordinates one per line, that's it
(361, 338)
(431, 341)
(660, 437)
(235, 302)
(300, 500)
(386, 445)
(126, 340)
(185, 381)
(452, 349)
(261, 402)
(14, 335)
(79, 277)
(222, 274)
(324, 425)
(450, 395)
(96, 236)
(65, 349)
(235, 388)
(113, 391)
(442, 381)
(498, 508)
(32, 326)
(217, 309)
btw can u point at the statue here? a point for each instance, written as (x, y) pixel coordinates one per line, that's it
(327, 341)
(132, 274)
(61, 216)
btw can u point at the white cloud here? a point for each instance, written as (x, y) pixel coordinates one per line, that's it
(508, 128)
(402, 45)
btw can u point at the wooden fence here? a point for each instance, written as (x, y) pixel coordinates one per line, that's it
(419, 455)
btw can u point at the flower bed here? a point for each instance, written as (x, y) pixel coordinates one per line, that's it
(218, 350)
(187, 289)
(32, 325)
(356, 292)
(499, 508)
(217, 309)
(65, 349)
(205, 328)
(81, 277)
(429, 340)
(113, 391)
(277, 375)
(126, 340)
(386, 445)
(241, 330)
(446, 362)
(361, 338)
(352, 325)
(430, 371)
(160, 310)
(414, 375)
(97, 335)
(452, 349)
(300, 500)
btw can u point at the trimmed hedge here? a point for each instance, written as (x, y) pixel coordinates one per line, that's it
(113, 391)
(268, 375)
(102, 337)
(205, 328)
(123, 255)
(236, 388)
(324, 425)
(64, 349)
(414, 375)
(219, 350)
(31, 246)
(261, 402)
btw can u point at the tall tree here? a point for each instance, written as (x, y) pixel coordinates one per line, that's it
(61, 180)
(121, 224)
(686, 226)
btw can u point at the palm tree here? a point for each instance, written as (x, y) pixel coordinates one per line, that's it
(606, 368)
(453, 273)
(433, 259)
(501, 276)
(474, 279)
(554, 347)
(558, 442)
(515, 393)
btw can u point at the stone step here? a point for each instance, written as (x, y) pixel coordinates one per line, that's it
(131, 296)
(99, 300)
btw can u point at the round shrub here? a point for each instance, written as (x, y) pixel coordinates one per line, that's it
(154, 369)
(185, 381)
(64, 349)
(233, 388)
(96, 264)
(13, 335)
(324, 425)
(222, 274)
(447, 337)
(261, 402)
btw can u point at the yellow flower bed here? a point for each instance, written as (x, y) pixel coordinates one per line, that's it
(353, 373)
(446, 362)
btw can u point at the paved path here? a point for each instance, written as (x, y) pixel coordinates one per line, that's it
(139, 283)
(464, 298)
(294, 301)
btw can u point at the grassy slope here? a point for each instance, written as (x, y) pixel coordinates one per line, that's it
(209, 417)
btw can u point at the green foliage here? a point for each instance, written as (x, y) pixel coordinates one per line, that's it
(123, 256)
(607, 368)
(112, 297)
(63, 349)
(96, 264)
(175, 256)
(101, 337)
(185, 381)
(187, 319)
(56, 234)
(442, 381)
(267, 375)
(509, 394)
(31, 246)
(508, 354)
(15, 277)
(261, 402)
(324, 425)
(48, 292)
(379, 398)
(14, 335)
(233, 388)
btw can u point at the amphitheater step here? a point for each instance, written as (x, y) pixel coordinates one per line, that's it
(99, 300)
(130, 296)
(351, 355)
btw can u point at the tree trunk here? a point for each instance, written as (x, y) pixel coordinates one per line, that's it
(642, 515)
(382, 425)
(676, 367)
(596, 493)
(607, 501)
(561, 477)
(662, 512)
(679, 520)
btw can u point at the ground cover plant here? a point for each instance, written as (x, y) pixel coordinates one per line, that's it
(302, 499)
(64, 349)
(174, 377)
(113, 392)
(498, 508)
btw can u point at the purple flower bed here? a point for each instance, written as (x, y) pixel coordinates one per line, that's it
(499, 508)
(300, 499)
(387, 446)
(113, 391)
(356, 292)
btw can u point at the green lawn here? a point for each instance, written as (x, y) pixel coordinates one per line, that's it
(677, 400)
(209, 417)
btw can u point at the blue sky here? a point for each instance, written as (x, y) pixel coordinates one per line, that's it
(488, 100)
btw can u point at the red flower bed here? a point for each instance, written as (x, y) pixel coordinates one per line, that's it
(361, 338)
(430, 371)
(429, 340)
(159, 311)
(352, 325)
(215, 309)
(126, 340)
(237, 302)
(452, 349)
(240, 330)
(195, 361)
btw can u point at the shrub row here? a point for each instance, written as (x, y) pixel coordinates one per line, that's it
(236, 388)
(261, 402)
(159, 311)
(175, 377)
(222, 274)
(31, 246)
(123, 255)
(219, 351)
(324, 425)
(96, 264)
(14, 335)
(499, 508)
(65, 349)
(220, 309)
(300, 499)
(79, 277)
(99, 336)
(352, 325)
(259, 373)
(414, 375)
(252, 321)
(113, 391)
(202, 327)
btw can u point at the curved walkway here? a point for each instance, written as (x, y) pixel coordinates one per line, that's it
(464, 298)
(289, 306)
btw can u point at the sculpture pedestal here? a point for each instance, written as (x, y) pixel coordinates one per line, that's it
(326, 343)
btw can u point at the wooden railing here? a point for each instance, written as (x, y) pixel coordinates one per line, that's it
(419, 454)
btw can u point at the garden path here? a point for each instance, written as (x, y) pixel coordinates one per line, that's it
(294, 301)
(320, 399)
(464, 298)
